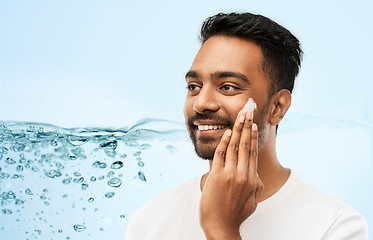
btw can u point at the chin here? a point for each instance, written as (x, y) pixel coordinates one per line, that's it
(205, 151)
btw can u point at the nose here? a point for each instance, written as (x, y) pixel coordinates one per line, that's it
(206, 100)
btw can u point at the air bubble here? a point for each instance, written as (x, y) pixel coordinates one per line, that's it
(114, 182)
(141, 176)
(109, 194)
(117, 165)
(79, 228)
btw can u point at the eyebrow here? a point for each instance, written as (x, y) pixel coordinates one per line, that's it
(220, 74)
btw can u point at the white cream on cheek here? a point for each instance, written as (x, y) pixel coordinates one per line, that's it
(249, 106)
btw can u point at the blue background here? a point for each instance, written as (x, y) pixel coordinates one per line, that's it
(111, 63)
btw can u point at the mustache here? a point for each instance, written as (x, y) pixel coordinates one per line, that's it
(210, 116)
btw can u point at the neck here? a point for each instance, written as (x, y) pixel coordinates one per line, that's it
(270, 171)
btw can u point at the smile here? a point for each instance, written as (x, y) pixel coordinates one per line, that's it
(209, 127)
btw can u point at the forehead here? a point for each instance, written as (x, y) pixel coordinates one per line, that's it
(223, 53)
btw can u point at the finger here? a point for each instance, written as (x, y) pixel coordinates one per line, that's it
(245, 143)
(221, 150)
(233, 146)
(253, 157)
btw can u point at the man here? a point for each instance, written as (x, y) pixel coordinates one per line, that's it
(246, 194)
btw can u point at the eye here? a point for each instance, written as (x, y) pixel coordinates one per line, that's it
(192, 87)
(227, 87)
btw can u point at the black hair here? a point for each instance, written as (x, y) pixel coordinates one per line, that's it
(281, 50)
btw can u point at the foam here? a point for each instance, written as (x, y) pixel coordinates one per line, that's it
(249, 106)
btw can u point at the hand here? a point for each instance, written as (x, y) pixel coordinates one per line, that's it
(233, 187)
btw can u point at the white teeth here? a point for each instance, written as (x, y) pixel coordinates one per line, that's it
(209, 127)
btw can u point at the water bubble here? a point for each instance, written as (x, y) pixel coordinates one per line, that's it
(46, 158)
(67, 180)
(79, 228)
(15, 176)
(93, 178)
(78, 180)
(3, 150)
(72, 157)
(76, 141)
(117, 165)
(10, 161)
(91, 199)
(19, 168)
(110, 153)
(171, 148)
(137, 154)
(99, 164)
(35, 169)
(77, 174)
(4, 175)
(7, 211)
(53, 143)
(141, 176)
(101, 177)
(140, 164)
(53, 173)
(28, 191)
(109, 145)
(84, 186)
(144, 146)
(114, 182)
(17, 147)
(79, 152)
(109, 194)
(30, 129)
(10, 196)
(59, 165)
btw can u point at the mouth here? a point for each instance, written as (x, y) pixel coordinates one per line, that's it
(210, 129)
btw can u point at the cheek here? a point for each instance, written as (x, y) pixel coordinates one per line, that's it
(234, 107)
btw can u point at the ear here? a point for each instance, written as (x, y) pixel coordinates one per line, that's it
(281, 102)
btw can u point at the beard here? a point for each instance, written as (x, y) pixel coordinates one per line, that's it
(205, 147)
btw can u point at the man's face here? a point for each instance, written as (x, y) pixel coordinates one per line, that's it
(226, 72)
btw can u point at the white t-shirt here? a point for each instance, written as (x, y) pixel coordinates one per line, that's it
(297, 211)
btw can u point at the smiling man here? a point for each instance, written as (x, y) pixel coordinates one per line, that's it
(247, 194)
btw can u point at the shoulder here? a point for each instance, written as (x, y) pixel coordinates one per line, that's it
(340, 220)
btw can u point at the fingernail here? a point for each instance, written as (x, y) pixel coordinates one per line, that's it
(255, 127)
(242, 118)
(249, 115)
(229, 132)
